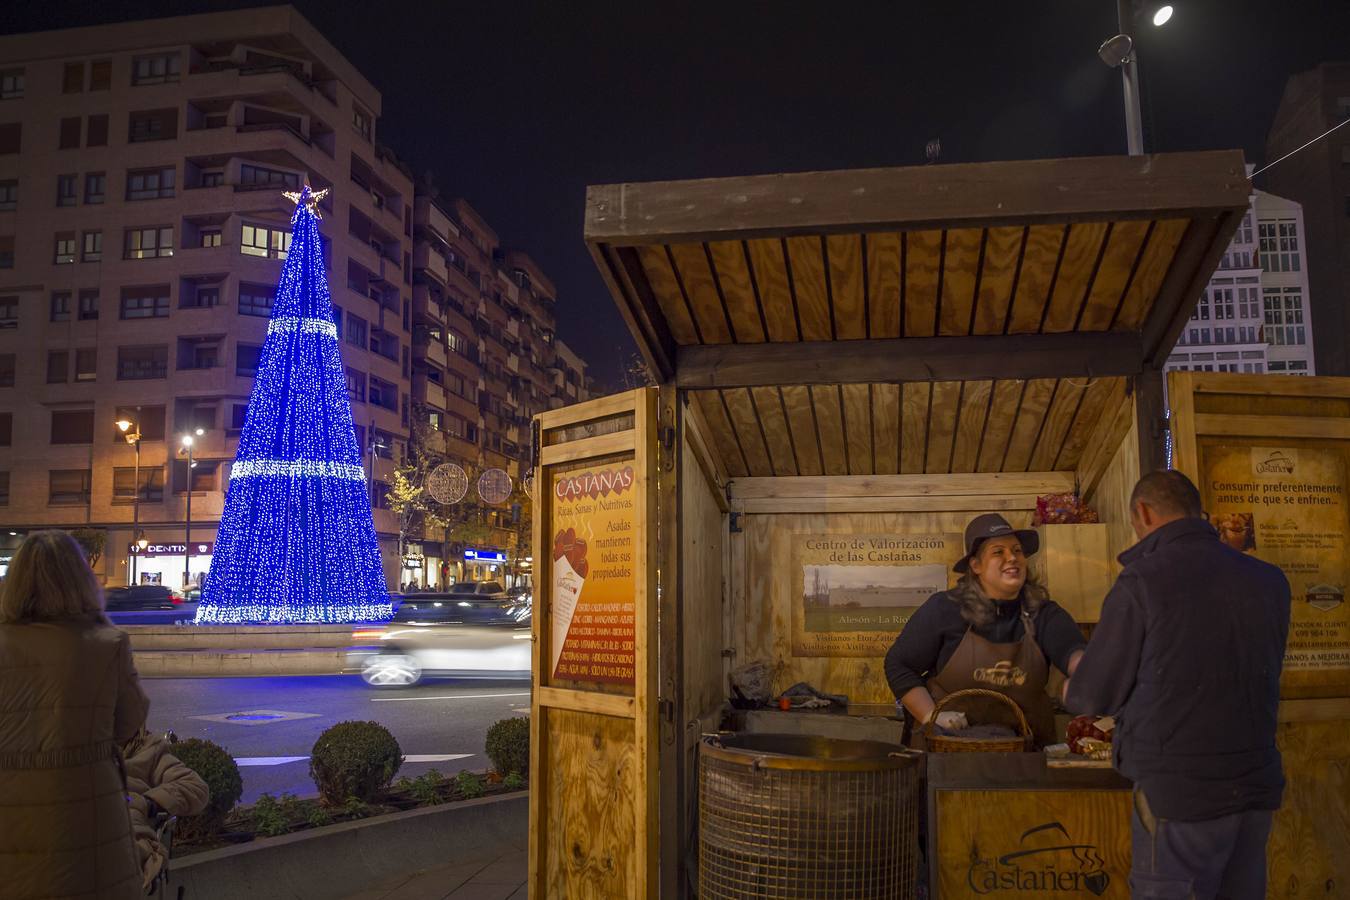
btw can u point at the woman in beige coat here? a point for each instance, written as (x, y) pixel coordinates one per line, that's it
(69, 697)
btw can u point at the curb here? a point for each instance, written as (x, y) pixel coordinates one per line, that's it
(213, 663)
(344, 859)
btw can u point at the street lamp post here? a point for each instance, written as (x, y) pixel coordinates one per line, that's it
(132, 432)
(188, 442)
(1121, 52)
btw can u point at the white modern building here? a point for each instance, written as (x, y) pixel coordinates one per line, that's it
(1253, 315)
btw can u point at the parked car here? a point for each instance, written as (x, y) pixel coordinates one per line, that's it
(478, 589)
(142, 596)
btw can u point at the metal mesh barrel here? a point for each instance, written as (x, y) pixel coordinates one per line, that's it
(801, 816)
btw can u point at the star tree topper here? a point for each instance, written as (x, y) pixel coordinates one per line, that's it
(309, 197)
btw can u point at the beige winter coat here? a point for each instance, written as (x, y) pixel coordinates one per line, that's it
(69, 697)
(155, 776)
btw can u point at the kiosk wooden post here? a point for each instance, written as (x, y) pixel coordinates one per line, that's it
(862, 358)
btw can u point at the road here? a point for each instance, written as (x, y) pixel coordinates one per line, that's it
(440, 724)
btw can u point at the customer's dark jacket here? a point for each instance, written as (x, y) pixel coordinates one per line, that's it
(1187, 657)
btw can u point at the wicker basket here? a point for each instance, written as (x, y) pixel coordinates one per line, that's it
(942, 743)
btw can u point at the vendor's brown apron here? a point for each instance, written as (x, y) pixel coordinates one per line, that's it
(1018, 670)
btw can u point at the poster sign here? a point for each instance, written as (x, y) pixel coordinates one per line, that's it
(594, 528)
(1287, 506)
(202, 548)
(852, 593)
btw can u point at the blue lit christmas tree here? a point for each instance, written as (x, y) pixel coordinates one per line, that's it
(297, 542)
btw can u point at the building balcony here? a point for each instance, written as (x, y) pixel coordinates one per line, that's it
(426, 391)
(435, 353)
(427, 259)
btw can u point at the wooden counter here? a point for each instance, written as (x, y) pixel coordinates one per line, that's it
(1006, 825)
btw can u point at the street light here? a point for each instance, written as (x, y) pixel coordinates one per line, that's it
(131, 430)
(189, 440)
(1119, 52)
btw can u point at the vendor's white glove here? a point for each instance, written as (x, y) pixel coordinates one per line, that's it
(951, 721)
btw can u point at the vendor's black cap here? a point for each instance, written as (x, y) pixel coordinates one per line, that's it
(992, 525)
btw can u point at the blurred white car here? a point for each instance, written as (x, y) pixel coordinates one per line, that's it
(439, 636)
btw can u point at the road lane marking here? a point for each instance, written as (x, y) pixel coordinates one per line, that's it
(434, 757)
(283, 760)
(464, 697)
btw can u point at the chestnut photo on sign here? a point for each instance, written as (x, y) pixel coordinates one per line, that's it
(1237, 530)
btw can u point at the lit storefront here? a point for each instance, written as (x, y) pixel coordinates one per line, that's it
(162, 563)
(483, 564)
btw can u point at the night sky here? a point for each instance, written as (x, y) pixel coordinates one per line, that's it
(518, 106)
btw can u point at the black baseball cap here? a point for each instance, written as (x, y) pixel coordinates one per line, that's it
(992, 525)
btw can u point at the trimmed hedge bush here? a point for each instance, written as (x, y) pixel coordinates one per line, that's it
(508, 746)
(354, 760)
(218, 769)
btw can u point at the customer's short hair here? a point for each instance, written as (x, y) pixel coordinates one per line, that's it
(1169, 492)
(49, 579)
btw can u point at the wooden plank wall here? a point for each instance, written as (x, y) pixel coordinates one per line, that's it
(1308, 857)
(1111, 497)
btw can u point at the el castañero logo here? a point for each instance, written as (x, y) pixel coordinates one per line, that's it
(1048, 859)
(1277, 462)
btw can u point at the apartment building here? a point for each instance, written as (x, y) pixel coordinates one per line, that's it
(142, 233)
(1254, 315)
(1318, 178)
(486, 360)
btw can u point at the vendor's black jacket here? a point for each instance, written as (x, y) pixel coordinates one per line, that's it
(1187, 657)
(931, 635)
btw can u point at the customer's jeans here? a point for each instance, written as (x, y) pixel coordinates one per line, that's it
(1216, 859)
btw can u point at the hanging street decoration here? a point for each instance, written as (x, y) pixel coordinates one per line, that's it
(447, 483)
(494, 487)
(296, 541)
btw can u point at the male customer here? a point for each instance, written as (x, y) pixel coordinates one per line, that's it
(1187, 658)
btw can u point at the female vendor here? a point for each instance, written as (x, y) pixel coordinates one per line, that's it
(994, 630)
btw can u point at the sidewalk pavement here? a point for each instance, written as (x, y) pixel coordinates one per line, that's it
(502, 878)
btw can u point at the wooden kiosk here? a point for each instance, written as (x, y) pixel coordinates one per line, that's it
(850, 364)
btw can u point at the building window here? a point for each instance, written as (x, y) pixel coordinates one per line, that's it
(210, 237)
(199, 353)
(157, 69)
(72, 79)
(255, 300)
(9, 312)
(212, 178)
(258, 240)
(356, 331)
(362, 121)
(124, 485)
(66, 194)
(384, 394)
(58, 365)
(7, 364)
(100, 75)
(95, 185)
(1279, 246)
(65, 247)
(259, 177)
(145, 302)
(247, 357)
(96, 131)
(9, 194)
(356, 386)
(7, 251)
(148, 243)
(72, 426)
(86, 364)
(200, 296)
(11, 84)
(11, 137)
(60, 307)
(142, 363)
(6, 429)
(88, 305)
(238, 416)
(93, 247)
(152, 125)
(70, 134)
(68, 487)
(150, 184)
(1284, 317)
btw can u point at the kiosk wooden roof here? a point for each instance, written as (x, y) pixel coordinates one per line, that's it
(990, 317)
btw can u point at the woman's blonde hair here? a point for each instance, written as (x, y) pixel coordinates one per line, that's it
(49, 579)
